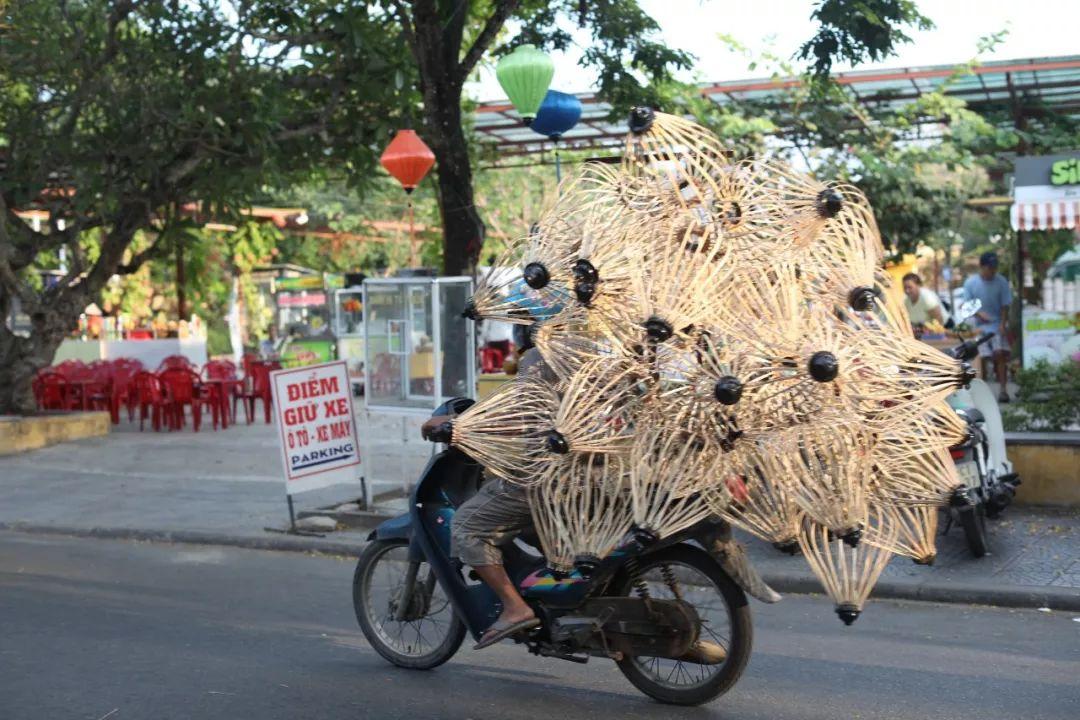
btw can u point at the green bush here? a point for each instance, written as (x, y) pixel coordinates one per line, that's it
(217, 339)
(1047, 398)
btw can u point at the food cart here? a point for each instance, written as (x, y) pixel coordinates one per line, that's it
(304, 318)
(349, 330)
(418, 348)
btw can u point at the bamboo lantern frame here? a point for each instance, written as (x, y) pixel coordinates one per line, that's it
(582, 511)
(505, 432)
(848, 574)
(668, 470)
(904, 530)
(750, 495)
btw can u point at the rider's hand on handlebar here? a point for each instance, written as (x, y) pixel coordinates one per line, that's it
(432, 424)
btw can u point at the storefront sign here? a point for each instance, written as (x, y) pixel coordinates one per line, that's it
(304, 282)
(1049, 336)
(314, 299)
(1065, 172)
(1046, 192)
(307, 352)
(317, 426)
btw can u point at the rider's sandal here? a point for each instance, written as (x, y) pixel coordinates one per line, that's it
(501, 630)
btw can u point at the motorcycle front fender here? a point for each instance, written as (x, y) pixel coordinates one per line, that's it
(398, 528)
(731, 555)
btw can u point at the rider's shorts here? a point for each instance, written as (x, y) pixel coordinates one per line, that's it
(995, 344)
(494, 516)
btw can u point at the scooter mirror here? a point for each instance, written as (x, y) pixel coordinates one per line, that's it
(967, 310)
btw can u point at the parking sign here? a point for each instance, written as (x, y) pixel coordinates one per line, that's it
(317, 426)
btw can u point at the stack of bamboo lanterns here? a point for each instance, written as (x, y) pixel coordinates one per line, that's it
(720, 340)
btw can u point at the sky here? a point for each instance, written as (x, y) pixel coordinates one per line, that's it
(1038, 28)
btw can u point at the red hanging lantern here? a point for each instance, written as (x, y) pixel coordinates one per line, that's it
(407, 158)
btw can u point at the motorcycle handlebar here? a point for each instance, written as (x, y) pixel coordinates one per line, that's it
(968, 349)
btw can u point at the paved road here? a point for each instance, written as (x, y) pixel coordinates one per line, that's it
(92, 627)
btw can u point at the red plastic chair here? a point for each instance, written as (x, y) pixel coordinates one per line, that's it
(182, 389)
(150, 394)
(88, 386)
(229, 387)
(50, 390)
(491, 360)
(257, 387)
(124, 393)
(176, 362)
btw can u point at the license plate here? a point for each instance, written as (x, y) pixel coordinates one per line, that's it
(969, 473)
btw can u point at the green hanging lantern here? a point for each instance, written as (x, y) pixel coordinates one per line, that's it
(525, 75)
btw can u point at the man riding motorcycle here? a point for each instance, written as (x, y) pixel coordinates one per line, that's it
(499, 512)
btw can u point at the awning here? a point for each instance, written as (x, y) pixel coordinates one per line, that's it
(1048, 215)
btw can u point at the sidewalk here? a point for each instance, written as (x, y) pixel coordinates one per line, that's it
(225, 487)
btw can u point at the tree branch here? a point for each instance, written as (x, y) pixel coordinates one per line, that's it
(406, 25)
(487, 36)
(156, 251)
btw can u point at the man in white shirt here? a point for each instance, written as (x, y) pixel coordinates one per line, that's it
(923, 304)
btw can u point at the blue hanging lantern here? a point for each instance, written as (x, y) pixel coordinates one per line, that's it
(558, 113)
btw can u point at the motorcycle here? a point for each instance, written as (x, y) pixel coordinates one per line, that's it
(989, 479)
(645, 606)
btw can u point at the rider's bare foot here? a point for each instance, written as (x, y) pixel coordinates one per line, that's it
(508, 624)
(704, 652)
(510, 616)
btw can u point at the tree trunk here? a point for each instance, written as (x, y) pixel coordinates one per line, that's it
(463, 229)
(22, 357)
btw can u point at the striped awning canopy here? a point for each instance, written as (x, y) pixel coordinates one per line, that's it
(1045, 215)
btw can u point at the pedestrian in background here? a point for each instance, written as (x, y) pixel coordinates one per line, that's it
(923, 304)
(993, 291)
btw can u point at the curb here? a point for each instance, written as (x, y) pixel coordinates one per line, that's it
(1027, 597)
(283, 543)
(1017, 596)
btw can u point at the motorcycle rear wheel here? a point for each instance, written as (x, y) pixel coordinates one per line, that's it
(422, 643)
(973, 521)
(704, 584)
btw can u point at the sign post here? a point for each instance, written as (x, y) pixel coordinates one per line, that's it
(316, 427)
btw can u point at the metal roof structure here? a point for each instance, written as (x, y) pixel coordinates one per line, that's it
(1016, 88)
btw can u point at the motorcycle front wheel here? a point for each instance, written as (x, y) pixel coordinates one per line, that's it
(429, 633)
(693, 575)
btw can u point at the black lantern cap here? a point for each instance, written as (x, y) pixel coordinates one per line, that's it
(658, 330)
(960, 498)
(823, 366)
(586, 565)
(641, 119)
(642, 538)
(728, 390)
(788, 547)
(556, 443)
(852, 537)
(966, 375)
(829, 203)
(585, 271)
(536, 275)
(862, 298)
(444, 433)
(584, 291)
(848, 613)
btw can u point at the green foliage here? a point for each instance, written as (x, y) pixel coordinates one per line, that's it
(1047, 399)
(860, 31)
(917, 161)
(631, 59)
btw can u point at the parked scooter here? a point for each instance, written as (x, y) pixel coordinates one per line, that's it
(989, 479)
(645, 606)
